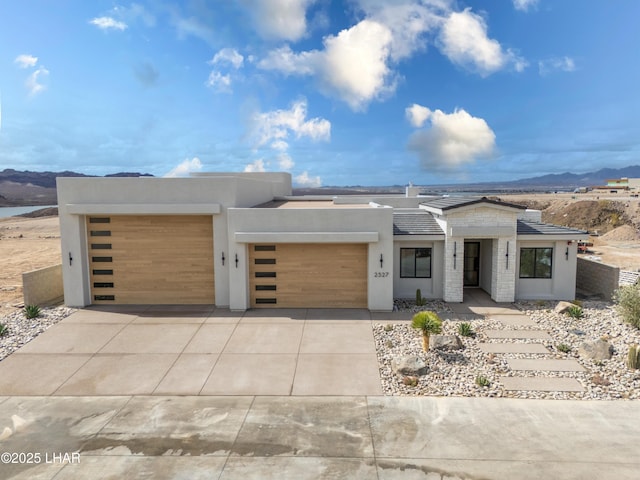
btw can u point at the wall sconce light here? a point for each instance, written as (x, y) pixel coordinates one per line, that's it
(70, 259)
(381, 261)
(222, 258)
(507, 255)
(454, 255)
(566, 253)
(236, 260)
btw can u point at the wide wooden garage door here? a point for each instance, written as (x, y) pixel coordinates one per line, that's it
(308, 275)
(161, 259)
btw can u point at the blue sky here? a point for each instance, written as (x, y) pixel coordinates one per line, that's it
(354, 92)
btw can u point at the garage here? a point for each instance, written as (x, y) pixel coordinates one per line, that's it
(308, 275)
(151, 259)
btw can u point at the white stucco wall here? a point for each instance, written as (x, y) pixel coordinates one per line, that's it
(315, 225)
(429, 287)
(561, 285)
(160, 196)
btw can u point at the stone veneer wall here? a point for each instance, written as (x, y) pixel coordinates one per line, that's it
(43, 286)
(597, 278)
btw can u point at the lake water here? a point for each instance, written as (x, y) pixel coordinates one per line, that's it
(12, 211)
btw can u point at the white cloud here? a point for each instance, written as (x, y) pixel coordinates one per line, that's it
(34, 81)
(108, 23)
(280, 19)
(26, 61)
(408, 21)
(304, 180)
(218, 82)
(278, 124)
(228, 56)
(417, 114)
(194, 27)
(353, 65)
(185, 167)
(257, 166)
(561, 64)
(452, 140)
(280, 145)
(463, 39)
(524, 5)
(286, 61)
(285, 162)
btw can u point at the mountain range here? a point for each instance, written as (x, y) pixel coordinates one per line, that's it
(39, 188)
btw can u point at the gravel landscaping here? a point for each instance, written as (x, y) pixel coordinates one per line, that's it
(21, 330)
(454, 373)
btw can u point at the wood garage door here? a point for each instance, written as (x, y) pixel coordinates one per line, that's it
(308, 275)
(162, 259)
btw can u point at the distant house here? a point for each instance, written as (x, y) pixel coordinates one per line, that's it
(624, 184)
(240, 240)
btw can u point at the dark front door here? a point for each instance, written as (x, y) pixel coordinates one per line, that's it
(471, 264)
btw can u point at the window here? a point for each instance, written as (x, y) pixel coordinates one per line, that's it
(535, 262)
(415, 263)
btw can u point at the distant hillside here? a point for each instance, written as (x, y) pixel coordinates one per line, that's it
(582, 180)
(37, 188)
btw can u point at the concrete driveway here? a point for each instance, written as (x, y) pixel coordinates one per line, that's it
(348, 437)
(198, 350)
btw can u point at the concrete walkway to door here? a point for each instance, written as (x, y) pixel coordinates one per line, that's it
(198, 350)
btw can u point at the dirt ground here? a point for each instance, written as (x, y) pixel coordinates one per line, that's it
(25, 244)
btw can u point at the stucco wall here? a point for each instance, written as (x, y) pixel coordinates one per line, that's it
(429, 287)
(597, 278)
(163, 196)
(561, 285)
(43, 286)
(293, 225)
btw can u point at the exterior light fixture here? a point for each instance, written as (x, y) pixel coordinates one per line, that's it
(222, 258)
(381, 261)
(70, 259)
(566, 253)
(454, 255)
(236, 260)
(507, 255)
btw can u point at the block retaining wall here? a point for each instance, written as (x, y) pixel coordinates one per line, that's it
(43, 286)
(597, 278)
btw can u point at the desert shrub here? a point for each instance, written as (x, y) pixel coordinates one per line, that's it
(482, 381)
(564, 348)
(4, 329)
(465, 330)
(627, 300)
(32, 311)
(575, 311)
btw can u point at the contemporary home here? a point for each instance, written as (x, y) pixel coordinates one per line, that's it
(241, 240)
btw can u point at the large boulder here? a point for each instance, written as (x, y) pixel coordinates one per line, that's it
(445, 342)
(410, 365)
(562, 307)
(597, 350)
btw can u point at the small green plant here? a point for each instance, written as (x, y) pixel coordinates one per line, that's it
(465, 330)
(4, 329)
(388, 327)
(420, 300)
(482, 381)
(32, 311)
(429, 324)
(633, 358)
(575, 311)
(627, 300)
(564, 348)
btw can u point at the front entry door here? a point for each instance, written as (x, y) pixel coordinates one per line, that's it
(471, 264)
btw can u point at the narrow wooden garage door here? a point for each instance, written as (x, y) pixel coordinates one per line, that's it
(151, 259)
(308, 275)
